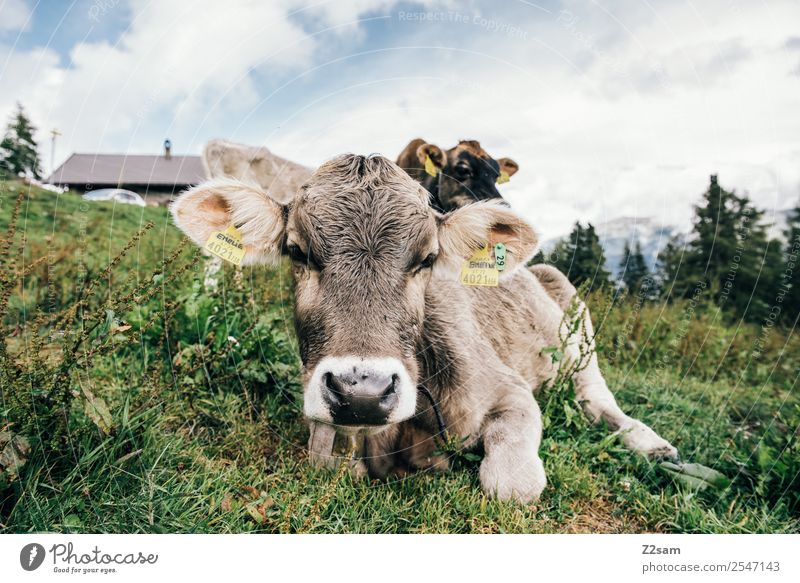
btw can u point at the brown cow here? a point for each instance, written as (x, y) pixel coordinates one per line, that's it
(380, 313)
(460, 175)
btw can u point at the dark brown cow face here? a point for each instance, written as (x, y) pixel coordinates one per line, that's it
(462, 175)
(364, 245)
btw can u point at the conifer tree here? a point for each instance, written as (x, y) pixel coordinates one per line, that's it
(634, 274)
(729, 255)
(790, 270)
(670, 268)
(580, 257)
(18, 150)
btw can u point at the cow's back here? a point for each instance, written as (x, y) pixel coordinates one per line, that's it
(278, 176)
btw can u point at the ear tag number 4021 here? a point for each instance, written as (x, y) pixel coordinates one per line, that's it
(481, 269)
(227, 245)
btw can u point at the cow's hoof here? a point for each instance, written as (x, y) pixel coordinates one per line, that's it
(639, 437)
(518, 478)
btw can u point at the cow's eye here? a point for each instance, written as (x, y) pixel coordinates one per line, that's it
(463, 171)
(304, 258)
(297, 255)
(427, 263)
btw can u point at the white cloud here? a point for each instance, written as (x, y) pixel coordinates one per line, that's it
(619, 109)
(14, 15)
(196, 61)
(723, 100)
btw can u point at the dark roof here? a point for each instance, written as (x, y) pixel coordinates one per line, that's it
(129, 169)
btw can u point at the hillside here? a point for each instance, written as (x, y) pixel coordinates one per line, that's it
(71, 239)
(152, 402)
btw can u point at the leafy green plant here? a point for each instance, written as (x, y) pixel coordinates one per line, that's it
(192, 421)
(49, 399)
(561, 410)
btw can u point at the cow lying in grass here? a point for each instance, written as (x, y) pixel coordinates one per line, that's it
(279, 176)
(380, 313)
(466, 174)
(463, 174)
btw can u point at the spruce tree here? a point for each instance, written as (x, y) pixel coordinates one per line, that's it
(634, 274)
(715, 238)
(580, 257)
(790, 270)
(561, 255)
(18, 150)
(729, 254)
(757, 286)
(538, 258)
(671, 269)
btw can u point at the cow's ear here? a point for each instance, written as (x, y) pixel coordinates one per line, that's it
(465, 231)
(436, 156)
(508, 166)
(220, 203)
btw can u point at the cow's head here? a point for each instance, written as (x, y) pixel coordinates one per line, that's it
(461, 175)
(364, 245)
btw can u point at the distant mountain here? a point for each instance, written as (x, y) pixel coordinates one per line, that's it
(652, 236)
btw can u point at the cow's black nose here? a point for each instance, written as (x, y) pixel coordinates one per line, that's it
(360, 398)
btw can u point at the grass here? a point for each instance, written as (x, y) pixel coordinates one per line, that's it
(203, 431)
(65, 232)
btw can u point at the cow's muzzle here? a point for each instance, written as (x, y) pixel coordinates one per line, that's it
(360, 392)
(360, 397)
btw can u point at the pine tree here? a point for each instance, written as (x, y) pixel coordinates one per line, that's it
(561, 255)
(757, 285)
(18, 150)
(670, 268)
(790, 270)
(633, 269)
(538, 258)
(729, 255)
(715, 237)
(580, 257)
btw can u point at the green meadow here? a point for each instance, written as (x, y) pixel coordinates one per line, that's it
(135, 397)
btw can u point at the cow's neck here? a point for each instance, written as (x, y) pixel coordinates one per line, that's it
(438, 359)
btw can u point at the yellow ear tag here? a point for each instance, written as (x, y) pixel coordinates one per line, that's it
(227, 245)
(480, 269)
(429, 167)
(503, 178)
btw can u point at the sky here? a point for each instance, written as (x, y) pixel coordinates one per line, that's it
(611, 108)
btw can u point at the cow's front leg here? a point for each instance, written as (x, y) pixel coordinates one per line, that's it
(590, 386)
(511, 434)
(599, 403)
